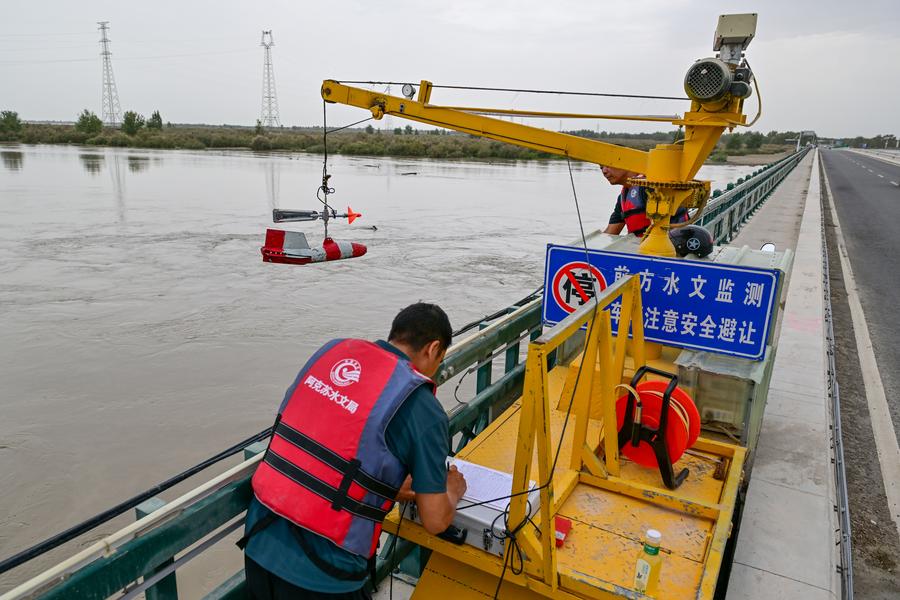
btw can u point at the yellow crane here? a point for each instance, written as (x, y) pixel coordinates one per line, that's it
(717, 88)
(609, 501)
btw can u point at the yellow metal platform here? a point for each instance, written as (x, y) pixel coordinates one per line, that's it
(607, 526)
(610, 501)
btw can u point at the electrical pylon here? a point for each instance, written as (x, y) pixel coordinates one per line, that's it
(109, 95)
(269, 114)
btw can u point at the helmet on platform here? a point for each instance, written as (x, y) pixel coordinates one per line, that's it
(691, 239)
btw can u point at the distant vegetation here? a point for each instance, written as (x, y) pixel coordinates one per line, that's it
(140, 132)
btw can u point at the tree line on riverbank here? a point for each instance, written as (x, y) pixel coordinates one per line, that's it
(139, 132)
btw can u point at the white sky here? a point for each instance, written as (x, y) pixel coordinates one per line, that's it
(830, 66)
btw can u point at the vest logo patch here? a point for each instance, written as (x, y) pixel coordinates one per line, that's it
(329, 393)
(346, 371)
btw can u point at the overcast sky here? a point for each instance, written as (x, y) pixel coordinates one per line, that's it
(830, 66)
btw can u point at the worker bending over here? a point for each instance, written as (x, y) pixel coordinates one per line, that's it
(359, 428)
(631, 205)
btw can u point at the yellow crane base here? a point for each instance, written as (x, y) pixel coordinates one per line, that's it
(608, 523)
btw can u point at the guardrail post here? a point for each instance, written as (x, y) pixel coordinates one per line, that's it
(509, 363)
(255, 448)
(167, 587)
(483, 378)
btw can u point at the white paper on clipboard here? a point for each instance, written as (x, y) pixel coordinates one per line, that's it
(483, 483)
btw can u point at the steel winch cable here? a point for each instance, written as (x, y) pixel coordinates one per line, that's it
(109, 514)
(512, 533)
(519, 90)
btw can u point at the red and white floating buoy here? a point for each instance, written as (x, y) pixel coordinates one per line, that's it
(291, 247)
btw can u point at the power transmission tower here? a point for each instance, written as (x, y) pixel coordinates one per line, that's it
(269, 113)
(110, 95)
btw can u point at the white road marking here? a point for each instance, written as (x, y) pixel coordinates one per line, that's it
(895, 183)
(880, 175)
(870, 170)
(886, 445)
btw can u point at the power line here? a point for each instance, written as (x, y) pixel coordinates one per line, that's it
(269, 112)
(120, 59)
(109, 94)
(517, 90)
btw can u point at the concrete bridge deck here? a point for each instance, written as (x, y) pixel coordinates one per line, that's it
(786, 545)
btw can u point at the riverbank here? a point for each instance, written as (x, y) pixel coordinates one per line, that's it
(756, 160)
(370, 141)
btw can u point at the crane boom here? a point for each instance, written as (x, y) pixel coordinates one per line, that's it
(535, 138)
(717, 88)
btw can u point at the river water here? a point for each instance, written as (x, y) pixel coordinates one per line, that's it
(141, 332)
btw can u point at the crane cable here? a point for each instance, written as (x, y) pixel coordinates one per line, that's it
(511, 533)
(324, 189)
(518, 90)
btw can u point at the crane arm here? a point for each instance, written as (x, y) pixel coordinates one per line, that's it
(717, 88)
(535, 138)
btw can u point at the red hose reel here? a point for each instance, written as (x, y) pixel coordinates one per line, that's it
(656, 427)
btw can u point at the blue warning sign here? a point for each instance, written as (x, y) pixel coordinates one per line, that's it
(687, 303)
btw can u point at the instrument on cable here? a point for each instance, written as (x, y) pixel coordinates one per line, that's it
(291, 247)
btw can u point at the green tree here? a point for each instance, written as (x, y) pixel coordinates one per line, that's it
(9, 122)
(88, 123)
(155, 121)
(370, 129)
(259, 128)
(398, 131)
(132, 122)
(734, 142)
(261, 143)
(408, 130)
(753, 140)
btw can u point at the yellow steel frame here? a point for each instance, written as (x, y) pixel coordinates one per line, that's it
(541, 573)
(669, 169)
(666, 163)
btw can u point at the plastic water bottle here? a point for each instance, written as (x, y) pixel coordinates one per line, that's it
(649, 562)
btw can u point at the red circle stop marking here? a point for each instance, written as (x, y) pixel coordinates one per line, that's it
(573, 285)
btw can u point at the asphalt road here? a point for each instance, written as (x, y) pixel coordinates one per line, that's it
(867, 197)
(866, 204)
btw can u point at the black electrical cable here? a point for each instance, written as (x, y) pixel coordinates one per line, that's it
(487, 360)
(99, 519)
(511, 534)
(518, 90)
(498, 314)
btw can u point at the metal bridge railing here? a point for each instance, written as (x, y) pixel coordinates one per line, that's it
(727, 211)
(842, 504)
(144, 557)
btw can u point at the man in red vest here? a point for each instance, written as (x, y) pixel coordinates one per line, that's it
(359, 428)
(631, 205)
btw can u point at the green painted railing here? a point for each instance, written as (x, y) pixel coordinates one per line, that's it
(727, 211)
(150, 553)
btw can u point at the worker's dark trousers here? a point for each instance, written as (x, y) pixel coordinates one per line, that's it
(263, 585)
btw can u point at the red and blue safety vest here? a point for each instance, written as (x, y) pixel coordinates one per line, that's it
(634, 211)
(328, 468)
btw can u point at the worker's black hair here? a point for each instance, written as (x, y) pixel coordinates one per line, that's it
(419, 324)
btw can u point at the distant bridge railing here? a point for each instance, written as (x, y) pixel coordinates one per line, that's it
(727, 211)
